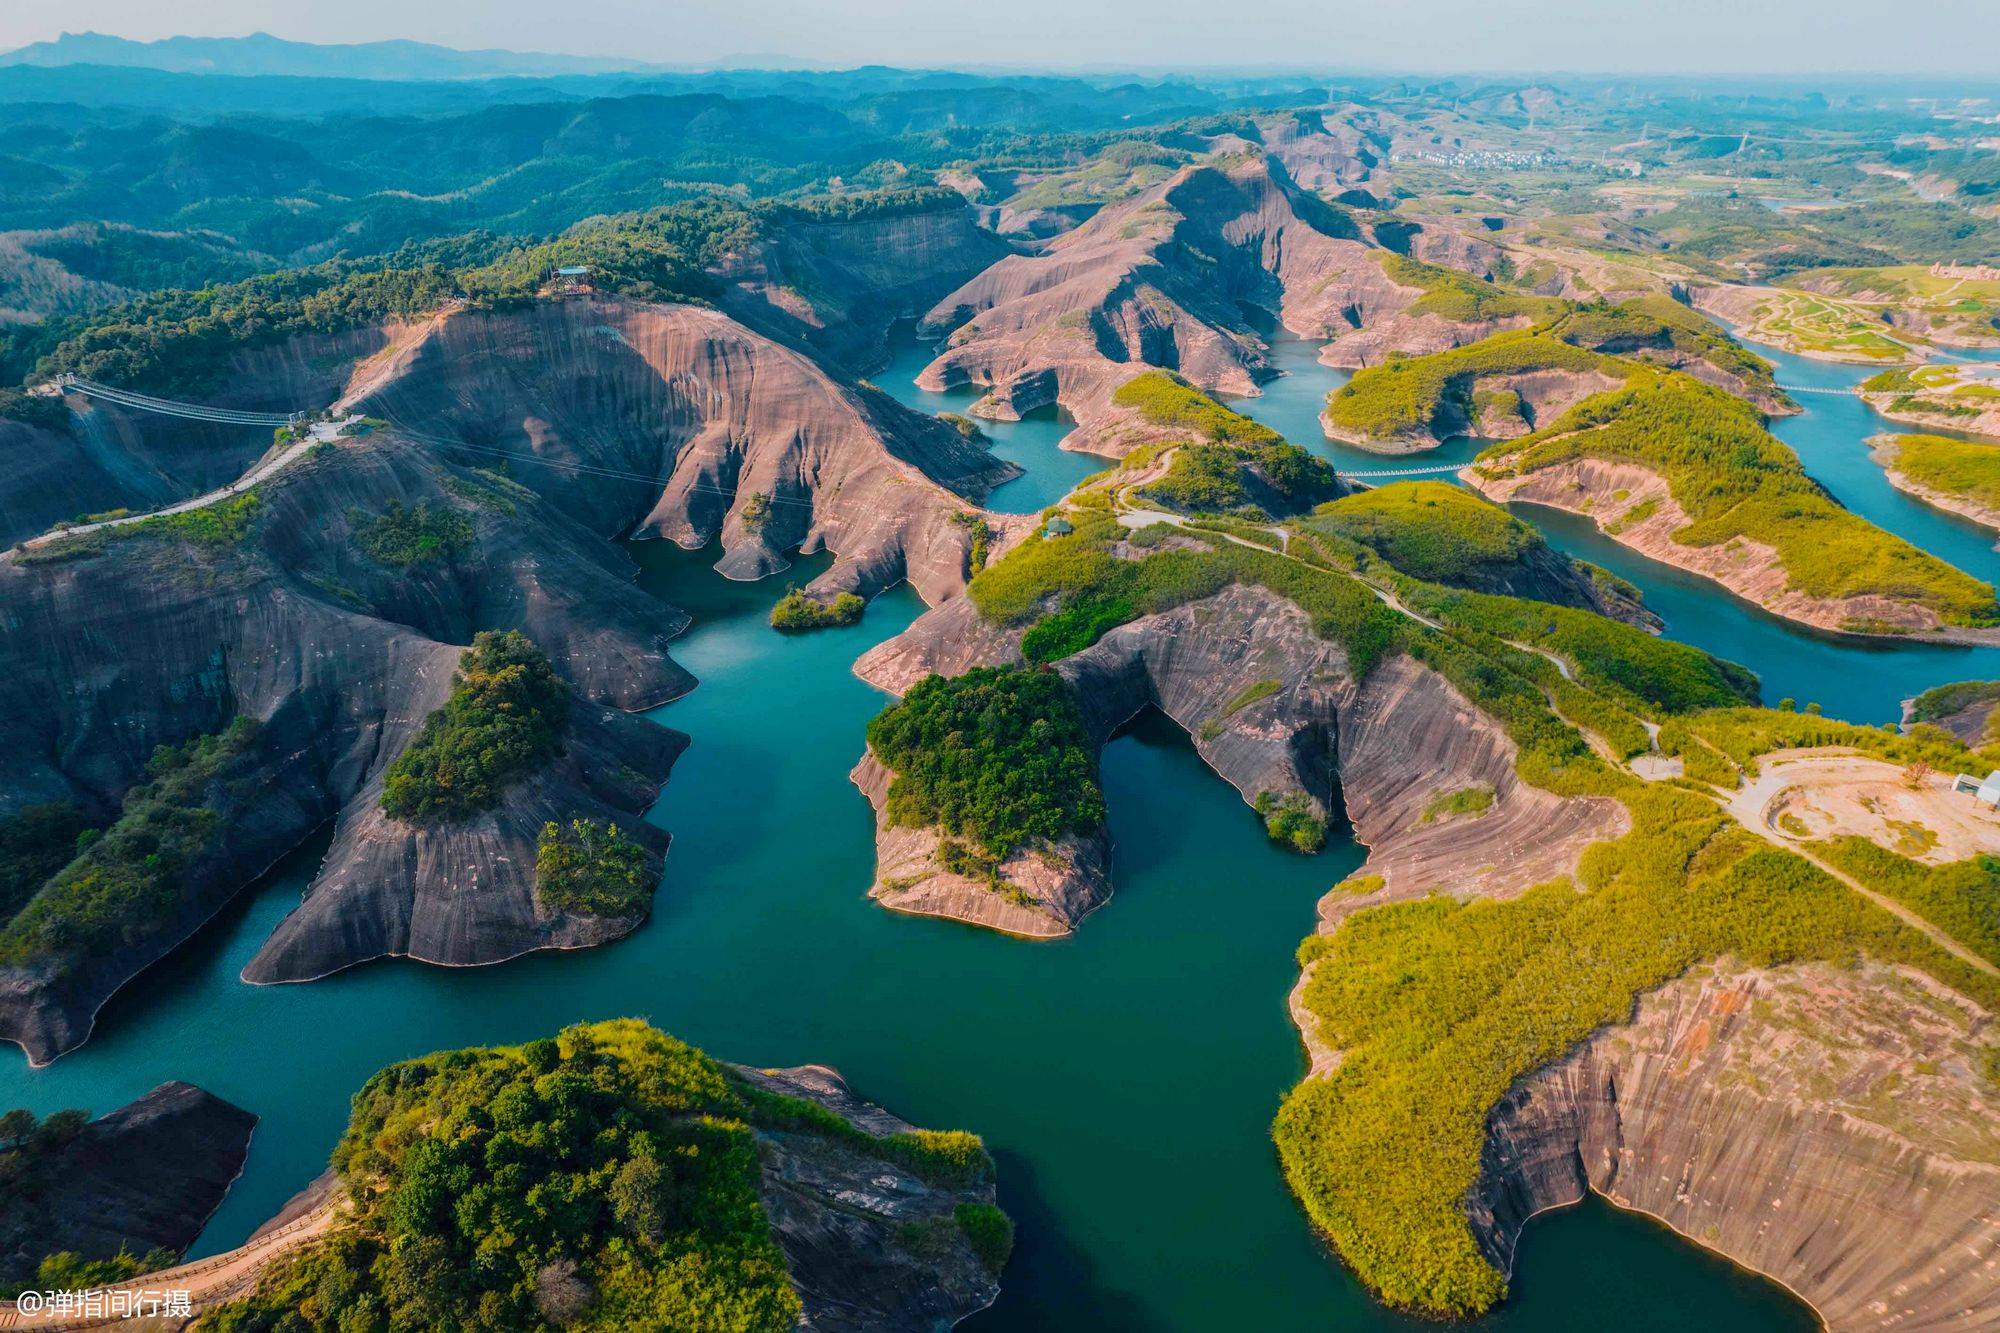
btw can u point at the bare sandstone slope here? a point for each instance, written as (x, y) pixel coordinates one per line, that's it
(670, 420)
(109, 457)
(1387, 748)
(1830, 1127)
(751, 442)
(1160, 279)
(834, 286)
(145, 1177)
(838, 1213)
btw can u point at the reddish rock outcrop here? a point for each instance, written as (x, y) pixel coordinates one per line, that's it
(1831, 1127)
(1160, 279)
(610, 417)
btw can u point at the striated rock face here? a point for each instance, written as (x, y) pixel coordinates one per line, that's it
(720, 416)
(839, 1216)
(1385, 746)
(1323, 152)
(1610, 493)
(675, 421)
(466, 892)
(338, 659)
(1049, 889)
(145, 1177)
(835, 287)
(1407, 736)
(1161, 279)
(1830, 1127)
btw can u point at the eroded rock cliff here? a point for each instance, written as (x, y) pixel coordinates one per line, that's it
(844, 1217)
(292, 609)
(145, 1177)
(1161, 279)
(1831, 1127)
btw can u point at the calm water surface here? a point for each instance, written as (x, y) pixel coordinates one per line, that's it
(1124, 1078)
(1861, 680)
(1032, 441)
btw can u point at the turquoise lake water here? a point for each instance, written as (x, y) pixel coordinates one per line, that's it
(1125, 1078)
(1861, 680)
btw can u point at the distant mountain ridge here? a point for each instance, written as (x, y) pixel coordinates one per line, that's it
(261, 53)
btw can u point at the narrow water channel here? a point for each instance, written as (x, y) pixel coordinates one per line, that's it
(1858, 679)
(1033, 441)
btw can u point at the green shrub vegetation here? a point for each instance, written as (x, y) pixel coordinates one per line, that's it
(505, 719)
(1462, 298)
(1045, 574)
(1250, 694)
(66, 1270)
(34, 844)
(963, 424)
(1658, 323)
(1734, 480)
(178, 342)
(795, 611)
(1203, 479)
(950, 1158)
(1961, 468)
(1896, 379)
(1942, 701)
(1228, 458)
(981, 533)
(404, 538)
(997, 755)
(1084, 619)
(1165, 399)
(1465, 801)
(989, 1231)
(591, 868)
(604, 1179)
(118, 887)
(1431, 530)
(1291, 821)
(1404, 399)
(1961, 898)
(1439, 1006)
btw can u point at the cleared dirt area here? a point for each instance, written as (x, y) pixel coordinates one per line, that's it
(1815, 794)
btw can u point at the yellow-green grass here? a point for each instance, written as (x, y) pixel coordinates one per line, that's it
(1438, 1006)
(1963, 469)
(1430, 529)
(1462, 298)
(1813, 323)
(1401, 399)
(1733, 479)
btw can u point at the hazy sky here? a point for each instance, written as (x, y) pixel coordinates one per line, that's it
(1953, 37)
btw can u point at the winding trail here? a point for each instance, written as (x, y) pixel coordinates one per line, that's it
(273, 462)
(1748, 804)
(206, 1282)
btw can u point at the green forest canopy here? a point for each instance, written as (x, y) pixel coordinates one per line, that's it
(998, 755)
(605, 1179)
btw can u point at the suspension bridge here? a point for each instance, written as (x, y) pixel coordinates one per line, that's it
(145, 402)
(1805, 388)
(1383, 473)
